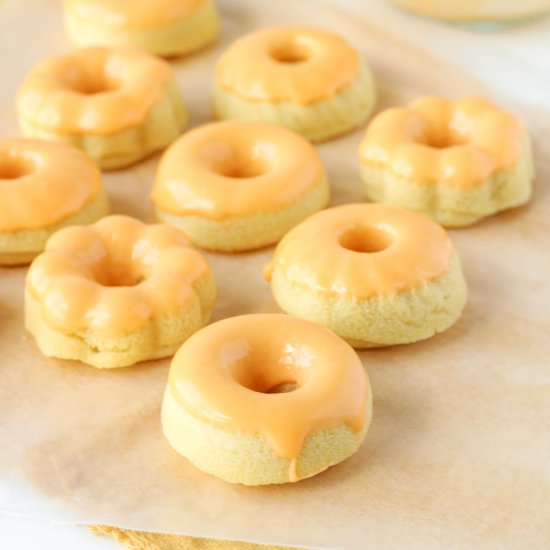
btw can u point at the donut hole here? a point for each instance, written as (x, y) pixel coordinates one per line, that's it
(15, 168)
(116, 275)
(290, 53)
(239, 163)
(241, 169)
(107, 279)
(267, 375)
(445, 142)
(285, 387)
(266, 383)
(366, 241)
(449, 137)
(84, 81)
(94, 87)
(111, 281)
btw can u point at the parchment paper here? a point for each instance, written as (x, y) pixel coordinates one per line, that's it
(458, 455)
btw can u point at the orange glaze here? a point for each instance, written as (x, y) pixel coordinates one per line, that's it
(477, 10)
(43, 183)
(224, 372)
(363, 250)
(235, 168)
(112, 277)
(435, 140)
(134, 14)
(295, 64)
(93, 90)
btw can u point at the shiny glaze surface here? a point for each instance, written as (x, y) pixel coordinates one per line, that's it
(224, 373)
(363, 250)
(43, 183)
(287, 64)
(93, 90)
(134, 14)
(235, 168)
(112, 277)
(434, 140)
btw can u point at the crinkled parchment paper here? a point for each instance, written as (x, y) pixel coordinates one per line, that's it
(459, 450)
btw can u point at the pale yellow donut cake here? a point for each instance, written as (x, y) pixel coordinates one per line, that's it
(456, 161)
(44, 187)
(375, 274)
(266, 398)
(117, 292)
(161, 27)
(238, 185)
(118, 105)
(306, 79)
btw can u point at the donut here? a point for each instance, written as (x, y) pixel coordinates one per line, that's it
(306, 79)
(238, 185)
(45, 186)
(478, 15)
(118, 105)
(266, 398)
(161, 27)
(455, 161)
(117, 292)
(377, 275)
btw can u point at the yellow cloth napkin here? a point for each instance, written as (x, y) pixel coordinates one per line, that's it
(142, 540)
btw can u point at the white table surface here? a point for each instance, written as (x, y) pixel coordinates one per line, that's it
(513, 61)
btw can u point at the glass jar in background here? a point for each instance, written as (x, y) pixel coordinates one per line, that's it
(478, 13)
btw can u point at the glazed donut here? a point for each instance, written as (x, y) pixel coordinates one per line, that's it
(162, 27)
(239, 185)
(306, 79)
(454, 161)
(117, 292)
(379, 275)
(118, 105)
(45, 186)
(266, 398)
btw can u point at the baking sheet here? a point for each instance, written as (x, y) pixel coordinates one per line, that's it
(458, 454)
